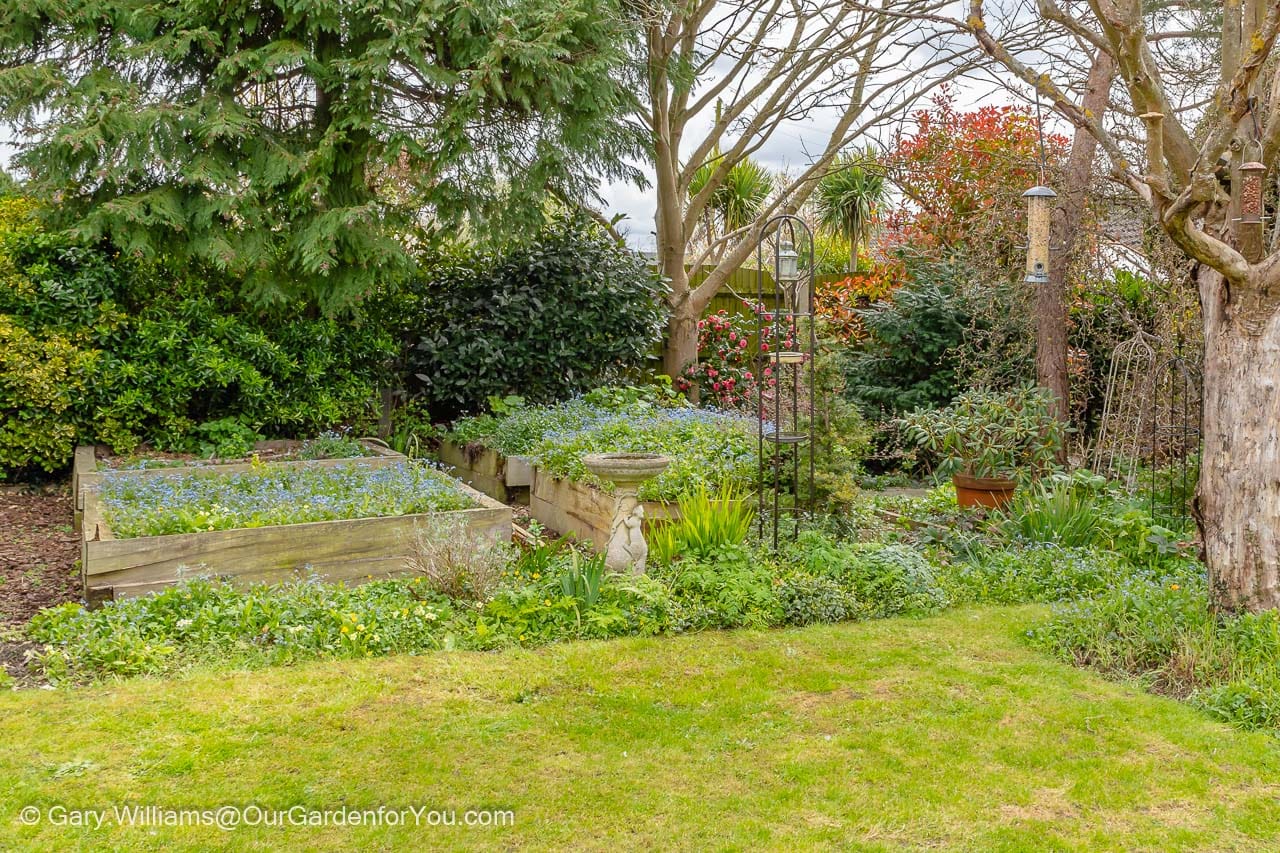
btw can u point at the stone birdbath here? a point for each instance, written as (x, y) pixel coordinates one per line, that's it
(627, 550)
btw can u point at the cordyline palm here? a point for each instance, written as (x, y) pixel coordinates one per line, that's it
(847, 198)
(740, 198)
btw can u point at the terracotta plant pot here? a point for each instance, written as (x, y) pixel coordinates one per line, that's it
(991, 492)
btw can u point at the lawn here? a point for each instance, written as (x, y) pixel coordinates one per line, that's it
(943, 732)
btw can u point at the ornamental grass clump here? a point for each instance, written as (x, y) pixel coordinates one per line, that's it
(268, 495)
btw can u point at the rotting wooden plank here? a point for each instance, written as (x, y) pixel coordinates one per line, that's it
(85, 463)
(479, 466)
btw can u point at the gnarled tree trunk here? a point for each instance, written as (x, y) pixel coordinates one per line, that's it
(1238, 498)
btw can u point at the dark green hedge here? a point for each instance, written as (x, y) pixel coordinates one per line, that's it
(95, 348)
(566, 312)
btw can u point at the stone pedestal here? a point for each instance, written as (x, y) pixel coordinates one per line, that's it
(626, 551)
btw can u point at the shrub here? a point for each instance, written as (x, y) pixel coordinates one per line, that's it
(95, 347)
(908, 359)
(546, 319)
(990, 433)
(809, 599)
(732, 589)
(837, 304)
(886, 580)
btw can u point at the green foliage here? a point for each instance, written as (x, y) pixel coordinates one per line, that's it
(295, 145)
(1159, 628)
(709, 523)
(991, 434)
(206, 620)
(41, 381)
(333, 445)
(886, 580)
(740, 195)
(548, 318)
(135, 504)
(1062, 511)
(95, 348)
(1036, 573)
(225, 438)
(908, 359)
(809, 599)
(843, 438)
(733, 588)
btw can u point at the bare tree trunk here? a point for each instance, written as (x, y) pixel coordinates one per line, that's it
(1051, 298)
(1238, 498)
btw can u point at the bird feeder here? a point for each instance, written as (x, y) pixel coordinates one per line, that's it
(1251, 175)
(1039, 212)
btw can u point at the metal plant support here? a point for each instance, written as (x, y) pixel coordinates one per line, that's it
(1150, 431)
(785, 376)
(1175, 405)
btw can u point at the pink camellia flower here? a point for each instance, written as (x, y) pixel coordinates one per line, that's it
(742, 344)
(768, 371)
(702, 324)
(747, 375)
(764, 347)
(715, 385)
(712, 372)
(733, 336)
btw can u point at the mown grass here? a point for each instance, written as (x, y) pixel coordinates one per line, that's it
(946, 732)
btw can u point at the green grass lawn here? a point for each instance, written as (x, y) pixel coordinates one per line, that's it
(943, 733)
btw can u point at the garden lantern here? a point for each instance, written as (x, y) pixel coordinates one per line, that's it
(1251, 175)
(1039, 212)
(788, 262)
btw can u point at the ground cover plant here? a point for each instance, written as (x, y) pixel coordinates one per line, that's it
(267, 495)
(707, 448)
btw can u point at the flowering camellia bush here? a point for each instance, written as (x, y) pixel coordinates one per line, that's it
(724, 373)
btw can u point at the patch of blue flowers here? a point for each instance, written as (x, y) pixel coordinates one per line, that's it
(268, 495)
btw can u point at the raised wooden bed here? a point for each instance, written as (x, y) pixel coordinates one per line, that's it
(349, 551)
(586, 512)
(503, 478)
(86, 472)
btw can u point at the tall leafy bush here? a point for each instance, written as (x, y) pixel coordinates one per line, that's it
(546, 319)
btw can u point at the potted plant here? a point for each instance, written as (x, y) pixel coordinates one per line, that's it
(989, 440)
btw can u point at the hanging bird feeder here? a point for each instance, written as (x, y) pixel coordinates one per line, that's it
(1251, 176)
(1039, 212)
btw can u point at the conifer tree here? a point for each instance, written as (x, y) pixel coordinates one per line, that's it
(300, 144)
